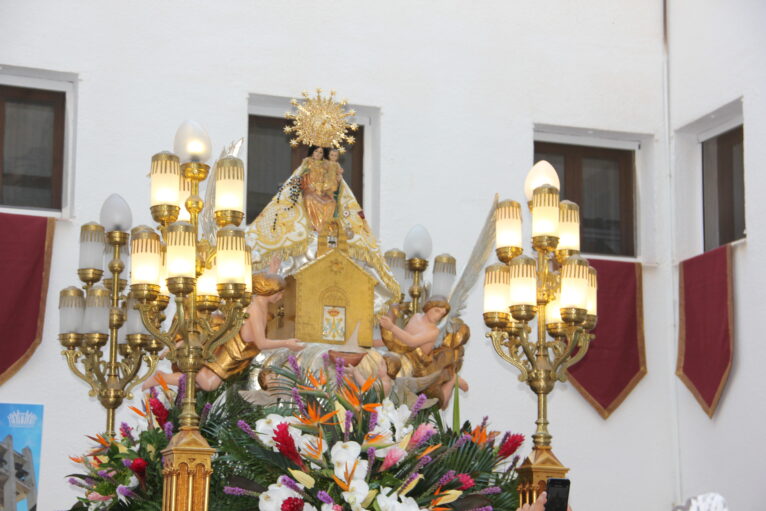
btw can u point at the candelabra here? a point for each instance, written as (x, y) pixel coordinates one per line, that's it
(559, 287)
(211, 286)
(408, 267)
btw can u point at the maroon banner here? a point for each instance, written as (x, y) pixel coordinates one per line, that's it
(616, 359)
(706, 326)
(25, 254)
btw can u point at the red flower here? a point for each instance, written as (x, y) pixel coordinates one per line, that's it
(138, 466)
(159, 411)
(292, 504)
(510, 445)
(286, 444)
(466, 482)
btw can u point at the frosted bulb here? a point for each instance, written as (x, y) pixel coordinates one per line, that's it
(541, 173)
(192, 143)
(418, 242)
(115, 214)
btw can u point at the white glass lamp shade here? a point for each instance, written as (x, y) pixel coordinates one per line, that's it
(192, 143)
(133, 323)
(165, 179)
(71, 310)
(541, 173)
(418, 242)
(146, 256)
(230, 247)
(545, 211)
(409, 279)
(497, 281)
(230, 185)
(569, 226)
(592, 300)
(248, 269)
(92, 246)
(523, 286)
(553, 311)
(181, 257)
(444, 275)
(96, 317)
(206, 283)
(184, 192)
(115, 214)
(508, 226)
(574, 283)
(395, 259)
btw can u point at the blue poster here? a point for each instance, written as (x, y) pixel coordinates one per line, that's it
(21, 428)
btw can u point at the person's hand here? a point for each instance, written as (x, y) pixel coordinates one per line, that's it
(539, 504)
(386, 322)
(293, 345)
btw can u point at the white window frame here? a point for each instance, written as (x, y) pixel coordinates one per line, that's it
(687, 176)
(30, 78)
(367, 116)
(642, 145)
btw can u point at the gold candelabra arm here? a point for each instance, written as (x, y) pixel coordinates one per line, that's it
(501, 340)
(573, 336)
(235, 316)
(151, 360)
(148, 313)
(204, 322)
(72, 357)
(584, 342)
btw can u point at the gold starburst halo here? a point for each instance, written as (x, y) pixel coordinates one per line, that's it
(320, 121)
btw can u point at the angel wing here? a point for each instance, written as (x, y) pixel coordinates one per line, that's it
(207, 223)
(477, 260)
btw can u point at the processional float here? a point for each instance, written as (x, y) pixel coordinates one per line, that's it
(310, 257)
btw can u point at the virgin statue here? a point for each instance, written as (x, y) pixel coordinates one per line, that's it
(316, 201)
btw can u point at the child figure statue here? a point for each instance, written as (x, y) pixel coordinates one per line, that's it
(236, 355)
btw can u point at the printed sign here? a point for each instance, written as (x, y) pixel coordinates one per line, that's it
(21, 428)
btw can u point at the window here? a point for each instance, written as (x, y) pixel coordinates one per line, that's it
(601, 181)
(271, 160)
(723, 188)
(31, 147)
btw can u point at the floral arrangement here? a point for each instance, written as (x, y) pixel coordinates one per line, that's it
(331, 443)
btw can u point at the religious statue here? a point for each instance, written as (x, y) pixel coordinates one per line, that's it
(431, 353)
(321, 283)
(237, 354)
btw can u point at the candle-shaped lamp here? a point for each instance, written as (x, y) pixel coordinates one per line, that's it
(181, 258)
(574, 289)
(146, 262)
(230, 247)
(523, 288)
(92, 245)
(229, 191)
(165, 184)
(508, 230)
(545, 217)
(497, 281)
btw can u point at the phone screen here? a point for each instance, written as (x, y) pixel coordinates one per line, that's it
(558, 495)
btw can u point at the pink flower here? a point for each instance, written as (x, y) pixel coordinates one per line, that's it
(392, 458)
(421, 435)
(466, 482)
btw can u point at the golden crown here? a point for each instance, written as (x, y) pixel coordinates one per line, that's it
(320, 121)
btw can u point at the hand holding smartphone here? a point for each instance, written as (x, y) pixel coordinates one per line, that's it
(558, 494)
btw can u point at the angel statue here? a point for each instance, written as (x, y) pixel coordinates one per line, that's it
(431, 344)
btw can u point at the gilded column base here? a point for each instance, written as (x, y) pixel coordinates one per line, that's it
(534, 472)
(186, 470)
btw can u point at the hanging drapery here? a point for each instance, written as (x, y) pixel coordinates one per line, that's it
(25, 255)
(616, 359)
(706, 325)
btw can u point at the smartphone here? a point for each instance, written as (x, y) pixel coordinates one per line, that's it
(558, 495)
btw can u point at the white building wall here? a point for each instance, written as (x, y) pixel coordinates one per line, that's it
(460, 87)
(716, 56)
